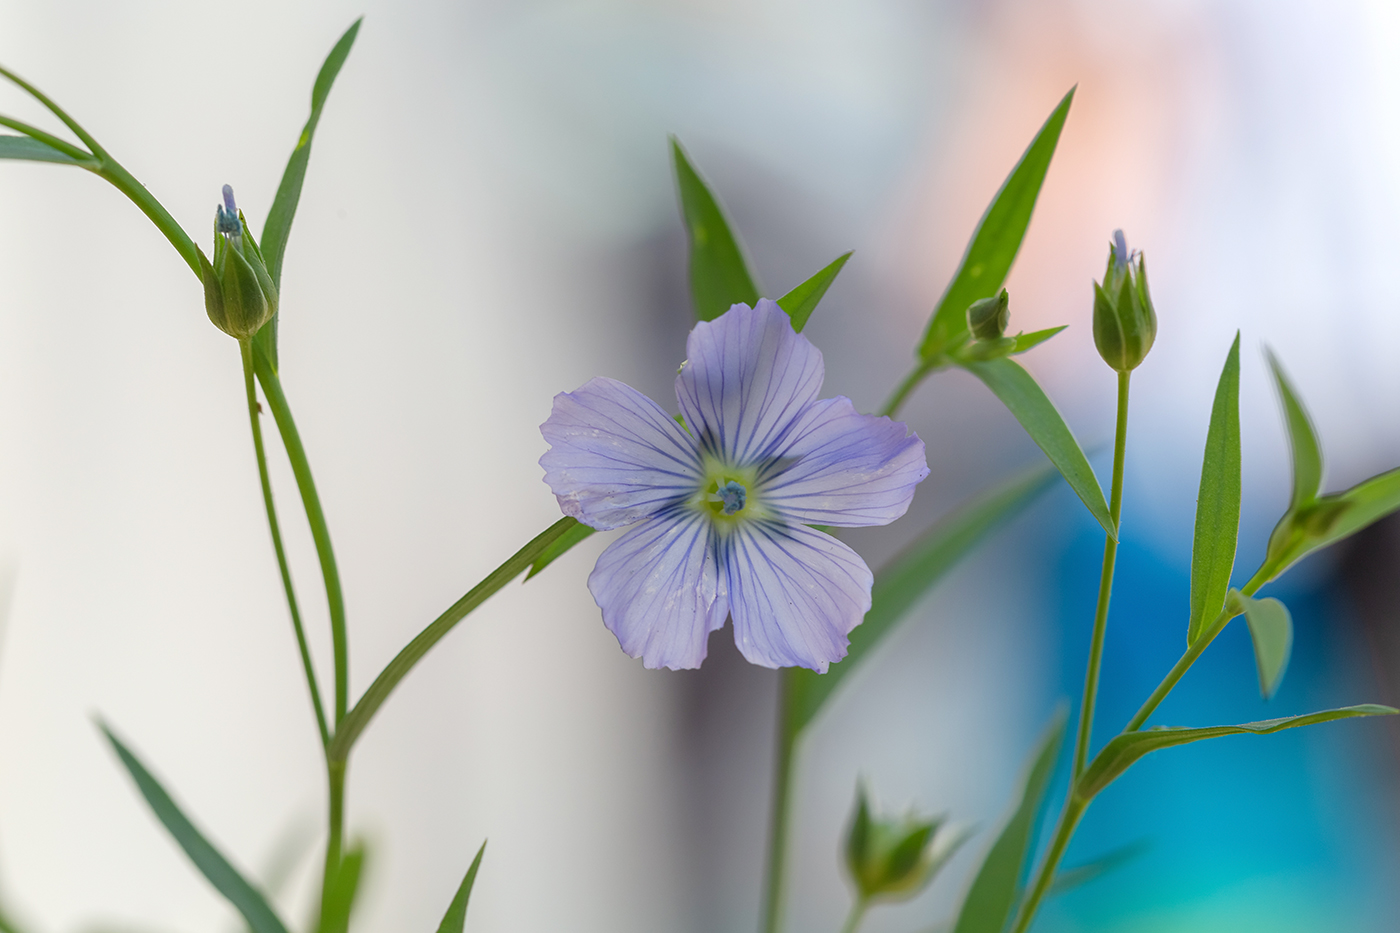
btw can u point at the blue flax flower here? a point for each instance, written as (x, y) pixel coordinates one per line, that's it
(721, 507)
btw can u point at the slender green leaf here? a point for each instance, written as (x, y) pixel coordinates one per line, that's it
(1035, 338)
(211, 863)
(284, 204)
(1070, 878)
(719, 275)
(339, 899)
(456, 916)
(1024, 398)
(1271, 629)
(901, 583)
(576, 533)
(1218, 503)
(32, 150)
(1362, 504)
(1302, 439)
(996, 887)
(1127, 748)
(996, 240)
(803, 300)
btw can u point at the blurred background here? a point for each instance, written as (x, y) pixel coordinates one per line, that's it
(489, 219)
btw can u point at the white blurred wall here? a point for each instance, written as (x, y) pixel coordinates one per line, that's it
(488, 220)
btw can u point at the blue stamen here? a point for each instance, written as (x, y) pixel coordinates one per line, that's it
(732, 495)
(1120, 249)
(228, 200)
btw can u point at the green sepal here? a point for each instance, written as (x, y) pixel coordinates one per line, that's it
(1271, 630)
(901, 583)
(226, 879)
(996, 887)
(719, 273)
(1218, 502)
(995, 242)
(575, 534)
(1024, 398)
(1124, 749)
(803, 300)
(456, 917)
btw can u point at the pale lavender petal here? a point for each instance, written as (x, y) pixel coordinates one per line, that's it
(795, 593)
(839, 467)
(661, 591)
(747, 376)
(615, 456)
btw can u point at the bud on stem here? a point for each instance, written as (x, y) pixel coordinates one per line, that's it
(1125, 324)
(238, 292)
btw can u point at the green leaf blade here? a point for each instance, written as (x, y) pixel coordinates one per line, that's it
(1271, 630)
(997, 239)
(1024, 398)
(456, 917)
(284, 203)
(719, 273)
(803, 300)
(339, 899)
(245, 898)
(1218, 502)
(23, 148)
(1302, 439)
(995, 888)
(1123, 750)
(900, 584)
(1035, 338)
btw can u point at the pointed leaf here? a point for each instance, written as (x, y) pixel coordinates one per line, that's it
(995, 889)
(245, 898)
(1024, 398)
(1070, 878)
(719, 275)
(1302, 439)
(32, 150)
(1127, 748)
(1271, 629)
(284, 204)
(803, 300)
(339, 899)
(1025, 342)
(1218, 503)
(1362, 504)
(456, 916)
(996, 240)
(901, 583)
(577, 532)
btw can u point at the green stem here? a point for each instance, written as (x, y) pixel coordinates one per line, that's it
(48, 139)
(354, 723)
(335, 840)
(856, 915)
(1064, 830)
(254, 416)
(910, 383)
(778, 817)
(57, 111)
(301, 469)
(127, 184)
(1110, 558)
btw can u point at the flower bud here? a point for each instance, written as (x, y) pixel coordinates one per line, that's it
(238, 292)
(892, 859)
(1125, 325)
(987, 318)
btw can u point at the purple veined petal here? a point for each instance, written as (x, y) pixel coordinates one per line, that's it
(839, 467)
(795, 593)
(747, 376)
(661, 590)
(615, 456)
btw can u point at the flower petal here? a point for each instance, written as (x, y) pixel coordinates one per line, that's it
(660, 590)
(747, 376)
(795, 594)
(840, 467)
(615, 456)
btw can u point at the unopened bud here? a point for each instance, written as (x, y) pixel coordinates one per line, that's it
(1125, 324)
(238, 292)
(892, 858)
(987, 318)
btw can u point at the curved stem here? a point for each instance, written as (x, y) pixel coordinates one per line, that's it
(856, 915)
(1110, 557)
(113, 172)
(57, 111)
(354, 723)
(905, 388)
(778, 817)
(47, 139)
(254, 416)
(335, 840)
(1064, 830)
(301, 469)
